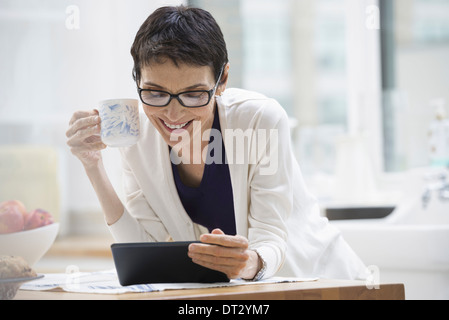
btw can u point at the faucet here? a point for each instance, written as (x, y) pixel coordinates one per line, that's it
(444, 191)
(442, 187)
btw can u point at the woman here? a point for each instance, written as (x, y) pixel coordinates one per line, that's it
(212, 164)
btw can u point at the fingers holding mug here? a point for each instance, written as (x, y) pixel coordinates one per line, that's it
(84, 127)
(84, 137)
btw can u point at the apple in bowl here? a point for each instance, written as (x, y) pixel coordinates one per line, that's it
(28, 235)
(38, 218)
(15, 218)
(12, 216)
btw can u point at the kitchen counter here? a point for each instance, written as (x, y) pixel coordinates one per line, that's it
(92, 253)
(85, 253)
(315, 290)
(98, 246)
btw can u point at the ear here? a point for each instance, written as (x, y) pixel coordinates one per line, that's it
(224, 80)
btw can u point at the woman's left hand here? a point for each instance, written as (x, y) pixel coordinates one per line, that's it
(227, 254)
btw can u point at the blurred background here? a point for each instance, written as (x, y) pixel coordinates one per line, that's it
(362, 81)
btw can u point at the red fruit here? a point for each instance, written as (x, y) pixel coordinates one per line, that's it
(38, 218)
(12, 216)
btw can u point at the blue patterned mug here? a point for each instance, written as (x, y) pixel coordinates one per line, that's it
(120, 125)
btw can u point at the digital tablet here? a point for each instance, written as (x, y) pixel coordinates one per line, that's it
(159, 262)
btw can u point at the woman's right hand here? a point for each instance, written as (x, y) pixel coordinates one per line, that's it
(84, 137)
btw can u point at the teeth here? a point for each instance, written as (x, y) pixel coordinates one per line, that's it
(173, 127)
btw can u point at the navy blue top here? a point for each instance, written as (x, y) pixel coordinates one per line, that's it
(211, 204)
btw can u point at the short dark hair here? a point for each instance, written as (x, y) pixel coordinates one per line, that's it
(182, 34)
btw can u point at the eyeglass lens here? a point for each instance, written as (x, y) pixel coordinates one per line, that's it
(188, 99)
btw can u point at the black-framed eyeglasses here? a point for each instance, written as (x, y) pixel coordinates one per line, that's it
(188, 99)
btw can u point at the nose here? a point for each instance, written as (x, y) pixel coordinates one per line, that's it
(174, 111)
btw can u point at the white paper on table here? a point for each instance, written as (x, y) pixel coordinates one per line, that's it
(106, 282)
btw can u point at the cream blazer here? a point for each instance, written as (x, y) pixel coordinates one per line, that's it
(273, 208)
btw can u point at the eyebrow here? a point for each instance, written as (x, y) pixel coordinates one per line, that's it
(195, 86)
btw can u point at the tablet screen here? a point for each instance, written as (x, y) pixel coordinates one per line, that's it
(159, 262)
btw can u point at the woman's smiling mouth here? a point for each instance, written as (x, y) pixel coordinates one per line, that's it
(173, 127)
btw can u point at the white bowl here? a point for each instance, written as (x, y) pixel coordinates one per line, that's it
(31, 244)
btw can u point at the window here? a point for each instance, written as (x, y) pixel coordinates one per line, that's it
(317, 58)
(59, 56)
(415, 41)
(293, 51)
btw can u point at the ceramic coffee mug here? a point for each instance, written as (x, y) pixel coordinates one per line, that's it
(120, 125)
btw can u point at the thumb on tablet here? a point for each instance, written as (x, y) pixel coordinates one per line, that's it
(217, 231)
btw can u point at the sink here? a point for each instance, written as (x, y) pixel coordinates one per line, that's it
(358, 212)
(416, 255)
(410, 246)
(401, 246)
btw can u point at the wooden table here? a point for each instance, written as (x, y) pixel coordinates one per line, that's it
(315, 290)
